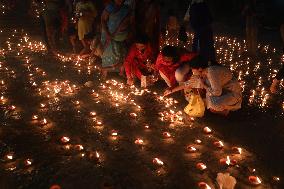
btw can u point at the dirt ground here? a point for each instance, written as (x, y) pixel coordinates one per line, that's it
(69, 145)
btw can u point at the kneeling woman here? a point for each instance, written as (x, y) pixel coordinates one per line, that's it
(139, 60)
(223, 91)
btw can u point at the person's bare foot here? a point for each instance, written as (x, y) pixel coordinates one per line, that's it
(223, 113)
(104, 74)
(121, 71)
(85, 51)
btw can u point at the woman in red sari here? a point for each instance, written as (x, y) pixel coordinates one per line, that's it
(139, 59)
(169, 60)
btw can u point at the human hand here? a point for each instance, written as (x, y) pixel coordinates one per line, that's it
(167, 92)
(273, 89)
(130, 81)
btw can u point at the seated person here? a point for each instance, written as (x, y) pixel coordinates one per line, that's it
(223, 91)
(95, 46)
(139, 59)
(276, 80)
(169, 60)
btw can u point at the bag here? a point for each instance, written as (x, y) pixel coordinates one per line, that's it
(196, 106)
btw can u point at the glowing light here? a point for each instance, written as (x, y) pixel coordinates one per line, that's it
(201, 166)
(254, 180)
(157, 161)
(65, 139)
(139, 141)
(207, 130)
(191, 149)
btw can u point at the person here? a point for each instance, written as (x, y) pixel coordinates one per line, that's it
(51, 17)
(115, 30)
(223, 91)
(200, 19)
(169, 60)
(96, 49)
(86, 12)
(147, 20)
(276, 80)
(249, 12)
(139, 59)
(170, 35)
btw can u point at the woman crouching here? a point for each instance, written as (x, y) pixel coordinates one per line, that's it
(223, 91)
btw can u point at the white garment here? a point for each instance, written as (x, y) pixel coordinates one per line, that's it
(224, 92)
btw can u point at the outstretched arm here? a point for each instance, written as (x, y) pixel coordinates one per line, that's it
(178, 88)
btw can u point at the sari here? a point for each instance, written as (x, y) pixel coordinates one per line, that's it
(85, 23)
(115, 48)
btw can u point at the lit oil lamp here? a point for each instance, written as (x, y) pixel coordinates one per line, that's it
(35, 117)
(67, 147)
(77, 103)
(147, 126)
(10, 156)
(42, 105)
(157, 161)
(254, 180)
(28, 162)
(114, 133)
(198, 141)
(44, 122)
(12, 107)
(203, 185)
(227, 161)
(79, 147)
(95, 155)
(65, 139)
(93, 113)
(207, 130)
(219, 144)
(139, 141)
(2, 99)
(167, 134)
(237, 150)
(99, 122)
(191, 149)
(276, 179)
(134, 115)
(201, 166)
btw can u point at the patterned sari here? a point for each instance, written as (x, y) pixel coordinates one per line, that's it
(115, 49)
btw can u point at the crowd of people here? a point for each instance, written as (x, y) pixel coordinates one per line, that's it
(125, 39)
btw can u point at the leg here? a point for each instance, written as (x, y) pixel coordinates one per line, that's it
(195, 42)
(86, 48)
(72, 39)
(206, 42)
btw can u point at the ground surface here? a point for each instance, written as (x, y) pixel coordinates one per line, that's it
(35, 154)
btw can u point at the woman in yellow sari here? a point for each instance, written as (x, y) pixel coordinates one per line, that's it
(87, 12)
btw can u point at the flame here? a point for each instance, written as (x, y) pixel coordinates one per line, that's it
(93, 113)
(139, 141)
(207, 130)
(10, 156)
(65, 139)
(228, 161)
(167, 134)
(158, 161)
(28, 162)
